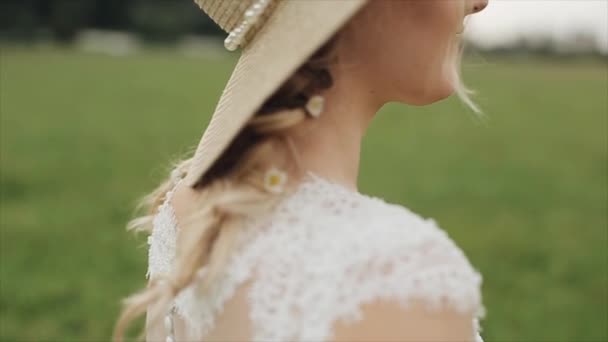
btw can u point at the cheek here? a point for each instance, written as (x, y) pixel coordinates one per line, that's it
(436, 26)
(422, 58)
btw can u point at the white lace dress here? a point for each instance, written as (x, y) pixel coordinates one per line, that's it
(346, 248)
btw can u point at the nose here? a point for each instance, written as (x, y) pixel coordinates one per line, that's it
(478, 6)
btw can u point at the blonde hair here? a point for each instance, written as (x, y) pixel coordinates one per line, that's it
(462, 91)
(232, 190)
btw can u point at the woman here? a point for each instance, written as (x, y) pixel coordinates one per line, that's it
(262, 234)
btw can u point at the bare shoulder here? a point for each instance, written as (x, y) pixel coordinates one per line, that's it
(388, 320)
(184, 199)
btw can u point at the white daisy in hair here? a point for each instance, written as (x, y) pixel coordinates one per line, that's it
(275, 180)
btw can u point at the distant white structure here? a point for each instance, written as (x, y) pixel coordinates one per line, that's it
(113, 43)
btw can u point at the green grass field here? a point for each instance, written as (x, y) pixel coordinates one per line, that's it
(525, 195)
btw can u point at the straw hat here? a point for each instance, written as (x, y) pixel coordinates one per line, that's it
(275, 38)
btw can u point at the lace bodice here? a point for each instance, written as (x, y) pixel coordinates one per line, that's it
(324, 251)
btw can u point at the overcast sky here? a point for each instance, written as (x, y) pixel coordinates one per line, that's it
(504, 20)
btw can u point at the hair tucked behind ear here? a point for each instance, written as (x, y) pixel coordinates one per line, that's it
(231, 190)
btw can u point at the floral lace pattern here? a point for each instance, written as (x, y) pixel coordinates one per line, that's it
(161, 242)
(324, 251)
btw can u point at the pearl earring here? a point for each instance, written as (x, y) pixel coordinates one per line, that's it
(314, 106)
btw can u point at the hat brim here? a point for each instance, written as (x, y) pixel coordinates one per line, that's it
(294, 31)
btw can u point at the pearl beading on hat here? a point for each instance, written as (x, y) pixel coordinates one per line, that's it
(251, 17)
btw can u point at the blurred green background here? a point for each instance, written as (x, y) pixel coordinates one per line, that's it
(84, 135)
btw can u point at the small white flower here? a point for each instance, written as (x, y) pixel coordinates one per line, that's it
(314, 106)
(274, 180)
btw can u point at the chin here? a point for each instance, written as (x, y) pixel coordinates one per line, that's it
(445, 87)
(445, 91)
(441, 90)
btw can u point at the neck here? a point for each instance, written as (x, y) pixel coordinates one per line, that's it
(330, 145)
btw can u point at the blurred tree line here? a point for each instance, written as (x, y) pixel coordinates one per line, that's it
(62, 19)
(167, 20)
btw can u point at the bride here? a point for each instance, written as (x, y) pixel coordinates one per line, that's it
(262, 234)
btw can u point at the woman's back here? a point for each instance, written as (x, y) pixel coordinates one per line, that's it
(324, 259)
(327, 263)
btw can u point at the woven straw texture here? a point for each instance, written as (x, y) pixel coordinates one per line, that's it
(291, 33)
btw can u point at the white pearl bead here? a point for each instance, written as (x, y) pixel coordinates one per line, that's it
(230, 47)
(250, 18)
(169, 339)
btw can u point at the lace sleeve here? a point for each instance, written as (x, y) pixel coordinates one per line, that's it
(415, 262)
